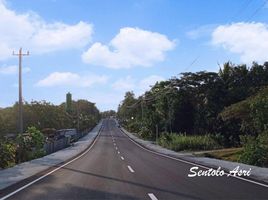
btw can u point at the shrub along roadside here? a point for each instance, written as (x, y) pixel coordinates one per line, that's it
(181, 142)
(255, 150)
(7, 154)
(27, 146)
(30, 145)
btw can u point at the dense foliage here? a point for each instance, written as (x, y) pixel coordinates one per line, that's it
(16, 148)
(180, 142)
(202, 103)
(8, 154)
(108, 113)
(30, 145)
(255, 151)
(253, 117)
(43, 115)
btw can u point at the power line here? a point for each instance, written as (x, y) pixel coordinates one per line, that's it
(193, 62)
(244, 6)
(257, 10)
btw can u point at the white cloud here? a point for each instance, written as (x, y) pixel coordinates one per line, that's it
(249, 40)
(28, 30)
(201, 31)
(59, 36)
(8, 69)
(138, 86)
(71, 79)
(105, 100)
(131, 47)
(26, 69)
(125, 84)
(13, 69)
(145, 83)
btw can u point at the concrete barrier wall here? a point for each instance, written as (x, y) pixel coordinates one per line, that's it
(53, 146)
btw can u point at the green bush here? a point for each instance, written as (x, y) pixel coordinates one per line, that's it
(30, 145)
(181, 142)
(255, 150)
(7, 154)
(145, 133)
(259, 114)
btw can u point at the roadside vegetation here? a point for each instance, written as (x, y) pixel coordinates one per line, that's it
(205, 110)
(40, 120)
(26, 146)
(229, 154)
(181, 142)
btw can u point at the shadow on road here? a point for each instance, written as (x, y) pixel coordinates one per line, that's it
(179, 195)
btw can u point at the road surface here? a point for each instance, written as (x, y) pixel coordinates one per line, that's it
(117, 168)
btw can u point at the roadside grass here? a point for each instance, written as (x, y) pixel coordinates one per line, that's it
(230, 154)
(182, 142)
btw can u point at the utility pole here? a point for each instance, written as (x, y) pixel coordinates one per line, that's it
(20, 54)
(78, 115)
(142, 111)
(169, 116)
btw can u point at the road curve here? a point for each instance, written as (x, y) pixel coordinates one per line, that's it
(116, 168)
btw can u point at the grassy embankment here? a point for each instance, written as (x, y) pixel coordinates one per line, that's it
(206, 143)
(229, 154)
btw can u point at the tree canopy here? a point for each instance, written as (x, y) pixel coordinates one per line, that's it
(198, 103)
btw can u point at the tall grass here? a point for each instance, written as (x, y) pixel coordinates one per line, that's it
(181, 142)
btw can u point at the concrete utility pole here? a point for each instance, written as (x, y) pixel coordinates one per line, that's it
(142, 110)
(20, 54)
(78, 115)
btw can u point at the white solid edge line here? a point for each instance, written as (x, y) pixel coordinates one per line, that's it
(122, 158)
(38, 179)
(194, 164)
(151, 195)
(130, 169)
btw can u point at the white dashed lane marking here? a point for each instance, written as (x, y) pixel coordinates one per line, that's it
(122, 158)
(130, 169)
(151, 195)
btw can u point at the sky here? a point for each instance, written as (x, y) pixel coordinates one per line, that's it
(99, 49)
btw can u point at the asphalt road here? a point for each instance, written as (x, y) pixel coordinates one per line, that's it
(116, 168)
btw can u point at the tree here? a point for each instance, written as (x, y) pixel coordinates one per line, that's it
(42, 114)
(252, 113)
(192, 102)
(108, 113)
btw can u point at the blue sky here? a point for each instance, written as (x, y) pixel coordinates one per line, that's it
(99, 49)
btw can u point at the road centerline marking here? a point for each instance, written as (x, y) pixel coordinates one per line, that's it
(152, 196)
(130, 169)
